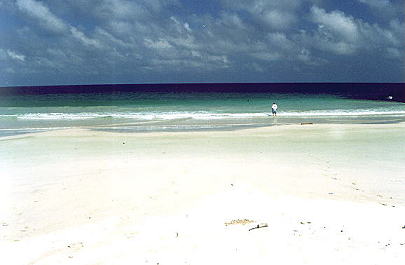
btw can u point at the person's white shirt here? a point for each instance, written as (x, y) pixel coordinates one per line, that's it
(274, 106)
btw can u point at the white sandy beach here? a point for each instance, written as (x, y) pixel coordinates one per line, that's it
(329, 194)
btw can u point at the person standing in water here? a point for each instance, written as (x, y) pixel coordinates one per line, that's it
(274, 109)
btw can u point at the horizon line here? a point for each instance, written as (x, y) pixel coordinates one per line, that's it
(195, 83)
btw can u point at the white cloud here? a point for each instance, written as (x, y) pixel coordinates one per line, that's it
(146, 37)
(262, 4)
(187, 42)
(280, 41)
(385, 9)
(340, 47)
(232, 20)
(15, 56)
(376, 3)
(276, 14)
(159, 44)
(394, 53)
(121, 9)
(340, 34)
(329, 37)
(48, 20)
(105, 37)
(10, 54)
(398, 31)
(187, 27)
(337, 22)
(278, 19)
(77, 34)
(128, 10)
(267, 56)
(42, 14)
(121, 27)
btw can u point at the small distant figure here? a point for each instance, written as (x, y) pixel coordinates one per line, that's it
(390, 97)
(274, 109)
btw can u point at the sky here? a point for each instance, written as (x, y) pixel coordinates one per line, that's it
(55, 42)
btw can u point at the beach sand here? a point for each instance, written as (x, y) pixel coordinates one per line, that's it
(293, 194)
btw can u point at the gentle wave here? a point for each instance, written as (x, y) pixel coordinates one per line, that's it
(344, 113)
(194, 115)
(137, 116)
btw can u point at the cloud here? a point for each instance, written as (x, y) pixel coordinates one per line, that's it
(336, 22)
(84, 39)
(385, 10)
(48, 20)
(262, 4)
(121, 9)
(278, 19)
(9, 54)
(159, 44)
(42, 14)
(397, 32)
(266, 56)
(178, 45)
(144, 40)
(275, 14)
(376, 3)
(15, 56)
(342, 34)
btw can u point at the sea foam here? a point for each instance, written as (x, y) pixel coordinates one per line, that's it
(196, 115)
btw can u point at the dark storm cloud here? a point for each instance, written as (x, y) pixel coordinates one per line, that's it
(121, 41)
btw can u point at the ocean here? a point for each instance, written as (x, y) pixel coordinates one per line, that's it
(128, 111)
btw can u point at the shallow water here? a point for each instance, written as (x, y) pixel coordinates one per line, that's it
(132, 111)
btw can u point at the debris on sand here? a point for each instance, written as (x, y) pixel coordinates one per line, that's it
(261, 225)
(239, 222)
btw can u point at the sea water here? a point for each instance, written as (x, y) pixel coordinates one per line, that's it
(139, 112)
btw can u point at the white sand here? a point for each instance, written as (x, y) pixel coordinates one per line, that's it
(330, 194)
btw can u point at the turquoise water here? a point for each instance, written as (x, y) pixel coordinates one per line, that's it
(184, 111)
